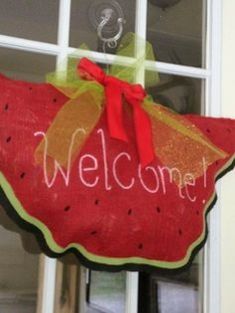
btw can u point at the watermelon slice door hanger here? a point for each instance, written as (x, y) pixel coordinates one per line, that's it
(95, 167)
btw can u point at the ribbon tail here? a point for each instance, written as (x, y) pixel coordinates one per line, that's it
(70, 129)
(143, 131)
(115, 113)
(179, 144)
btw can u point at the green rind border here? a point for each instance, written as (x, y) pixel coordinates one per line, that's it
(100, 262)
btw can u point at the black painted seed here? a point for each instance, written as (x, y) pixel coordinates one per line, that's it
(97, 201)
(197, 212)
(158, 209)
(6, 107)
(180, 232)
(130, 212)
(30, 88)
(22, 175)
(8, 139)
(208, 130)
(140, 246)
(67, 208)
(54, 100)
(94, 232)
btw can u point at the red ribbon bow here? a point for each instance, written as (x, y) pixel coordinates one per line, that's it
(134, 95)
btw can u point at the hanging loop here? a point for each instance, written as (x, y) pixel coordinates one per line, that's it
(111, 42)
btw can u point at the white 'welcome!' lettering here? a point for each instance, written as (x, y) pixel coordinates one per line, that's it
(160, 176)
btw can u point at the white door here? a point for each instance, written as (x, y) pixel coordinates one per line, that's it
(35, 36)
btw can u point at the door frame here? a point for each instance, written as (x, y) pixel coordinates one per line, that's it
(211, 75)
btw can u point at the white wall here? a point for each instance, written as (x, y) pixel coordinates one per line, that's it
(228, 184)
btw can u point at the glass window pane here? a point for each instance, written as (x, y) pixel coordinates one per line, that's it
(86, 15)
(177, 31)
(106, 292)
(30, 19)
(182, 94)
(25, 65)
(90, 291)
(174, 293)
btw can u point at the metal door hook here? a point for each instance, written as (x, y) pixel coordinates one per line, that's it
(111, 42)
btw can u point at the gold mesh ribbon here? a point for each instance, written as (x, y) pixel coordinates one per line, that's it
(179, 144)
(74, 121)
